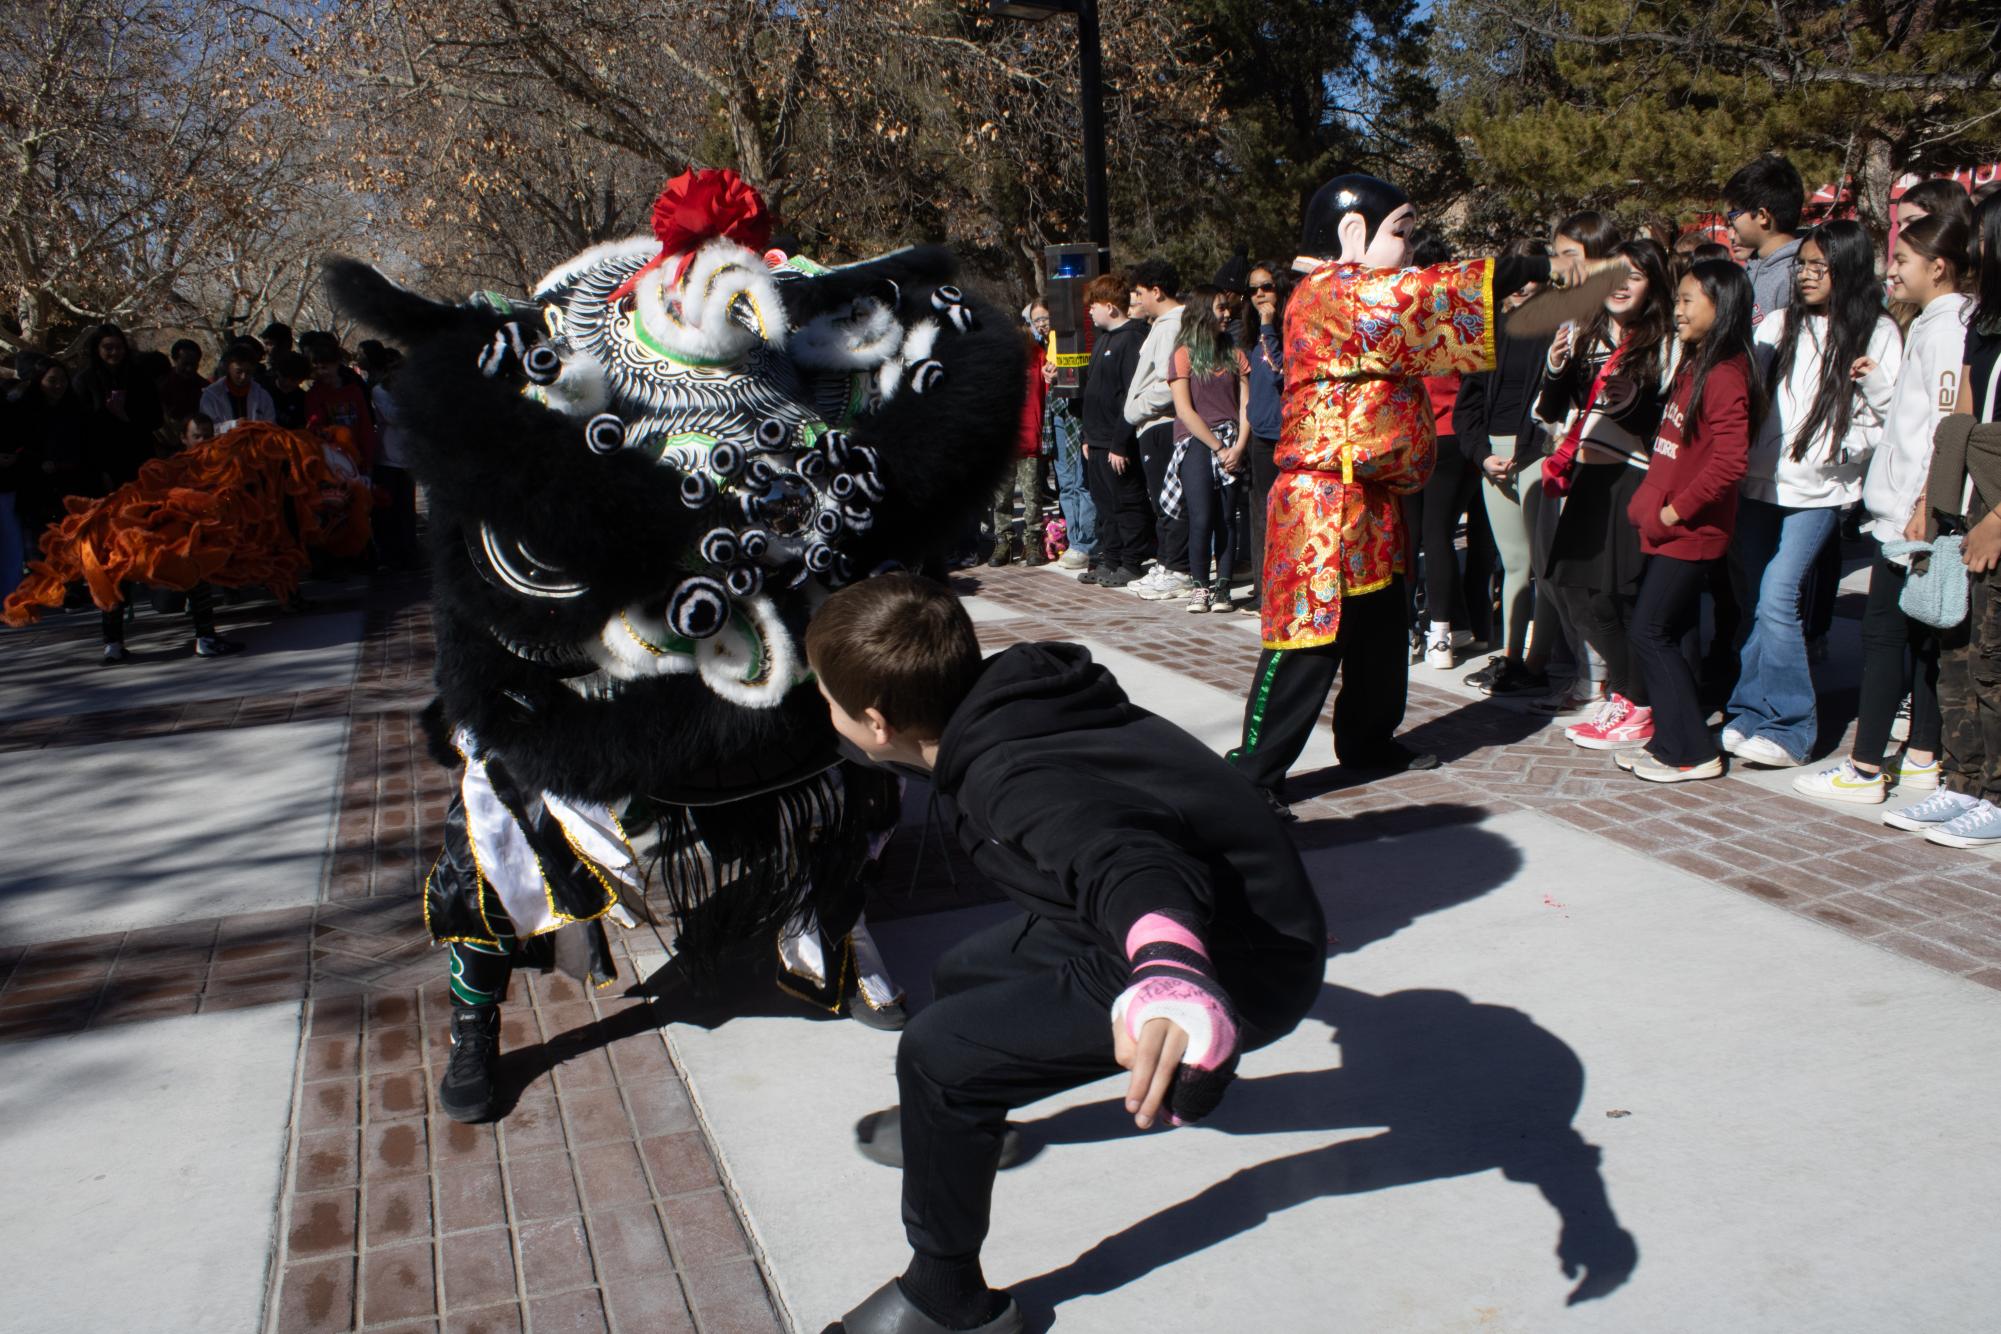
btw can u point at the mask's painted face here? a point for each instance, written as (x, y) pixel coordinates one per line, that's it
(1387, 248)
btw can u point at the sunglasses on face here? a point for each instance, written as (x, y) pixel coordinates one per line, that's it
(1263, 287)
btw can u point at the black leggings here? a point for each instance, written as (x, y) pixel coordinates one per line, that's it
(1264, 471)
(1453, 491)
(1607, 620)
(1898, 654)
(1205, 502)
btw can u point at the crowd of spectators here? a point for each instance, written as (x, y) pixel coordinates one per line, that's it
(1640, 519)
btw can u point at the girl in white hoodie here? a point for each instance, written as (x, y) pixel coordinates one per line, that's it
(1831, 359)
(1900, 654)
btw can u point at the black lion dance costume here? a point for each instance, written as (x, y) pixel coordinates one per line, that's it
(642, 481)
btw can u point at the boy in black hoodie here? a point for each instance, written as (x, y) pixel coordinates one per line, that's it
(1170, 923)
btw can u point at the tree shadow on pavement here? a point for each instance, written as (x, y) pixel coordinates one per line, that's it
(1451, 1087)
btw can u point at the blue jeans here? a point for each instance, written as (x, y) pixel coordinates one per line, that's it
(1774, 698)
(1073, 495)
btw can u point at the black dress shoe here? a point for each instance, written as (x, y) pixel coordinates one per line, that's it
(889, 1311)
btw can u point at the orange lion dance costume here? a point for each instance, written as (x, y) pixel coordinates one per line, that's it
(216, 513)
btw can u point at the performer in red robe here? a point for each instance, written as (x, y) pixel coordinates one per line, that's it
(1361, 331)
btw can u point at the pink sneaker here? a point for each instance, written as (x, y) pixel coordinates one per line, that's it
(1623, 724)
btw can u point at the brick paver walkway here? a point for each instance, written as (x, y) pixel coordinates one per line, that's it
(596, 1203)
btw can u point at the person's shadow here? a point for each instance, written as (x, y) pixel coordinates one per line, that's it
(1457, 1088)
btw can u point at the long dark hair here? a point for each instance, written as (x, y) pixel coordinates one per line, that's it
(1729, 290)
(1594, 231)
(1940, 236)
(1987, 265)
(1644, 332)
(1853, 306)
(1281, 276)
(1207, 341)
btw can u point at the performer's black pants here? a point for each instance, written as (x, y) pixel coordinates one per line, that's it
(1020, 1012)
(1125, 517)
(1156, 449)
(1669, 607)
(1373, 658)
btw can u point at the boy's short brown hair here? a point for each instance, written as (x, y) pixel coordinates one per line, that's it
(897, 643)
(1109, 289)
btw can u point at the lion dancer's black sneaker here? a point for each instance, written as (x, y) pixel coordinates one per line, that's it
(466, 1093)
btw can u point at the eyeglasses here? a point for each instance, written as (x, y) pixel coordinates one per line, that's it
(1264, 287)
(1730, 216)
(1813, 270)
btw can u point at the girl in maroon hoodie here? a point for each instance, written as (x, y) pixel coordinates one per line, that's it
(1686, 509)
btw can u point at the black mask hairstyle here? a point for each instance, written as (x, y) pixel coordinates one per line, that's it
(1374, 199)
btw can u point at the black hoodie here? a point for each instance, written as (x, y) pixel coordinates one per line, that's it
(1113, 360)
(1091, 812)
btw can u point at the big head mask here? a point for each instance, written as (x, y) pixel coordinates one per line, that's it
(1346, 220)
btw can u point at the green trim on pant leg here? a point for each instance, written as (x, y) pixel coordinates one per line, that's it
(1260, 701)
(473, 970)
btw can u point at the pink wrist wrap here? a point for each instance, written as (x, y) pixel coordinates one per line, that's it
(1172, 980)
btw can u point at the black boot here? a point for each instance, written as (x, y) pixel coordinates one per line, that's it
(466, 1093)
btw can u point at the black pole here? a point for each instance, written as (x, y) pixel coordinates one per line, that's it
(1097, 208)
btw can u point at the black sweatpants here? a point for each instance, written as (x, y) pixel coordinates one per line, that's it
(1669, 607)
(1125, 517)
(1898, 654)
(1021, 1010)
(1372, 656)
(1156, 450)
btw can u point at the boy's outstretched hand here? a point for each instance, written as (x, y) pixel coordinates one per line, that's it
(1174, 1027)
(1154, 1060)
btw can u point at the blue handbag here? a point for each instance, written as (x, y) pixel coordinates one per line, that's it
(1936, 592)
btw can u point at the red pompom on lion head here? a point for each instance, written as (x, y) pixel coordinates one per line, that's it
(698, 205)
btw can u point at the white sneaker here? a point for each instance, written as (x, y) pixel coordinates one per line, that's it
(1940, 808)
(1198, 601)
(1763, 751)
(1438, 653)
(1462, 638)
(1170, 587)
(1073, 559)
(1731, 739)
(1148, 581)
(1914, 777)
(1843, 782)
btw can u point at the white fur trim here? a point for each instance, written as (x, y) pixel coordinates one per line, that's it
(721, 273)
(725, 659)
(582, 389)
(629, 647)
(1190, 1018)
(861, 338)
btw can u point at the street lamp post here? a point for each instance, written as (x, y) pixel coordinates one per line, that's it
(1091, 79)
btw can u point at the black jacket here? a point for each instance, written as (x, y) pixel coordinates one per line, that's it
(1106, 379)
(1502, 401)
(1091, 812)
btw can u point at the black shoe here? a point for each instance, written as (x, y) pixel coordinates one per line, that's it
(1487, 675)
(1515, 679)
(1118, 578)
(1089, 576)
(115, 654)
(1278, 805)
(879, 1137)
(466, 1093)
(888, 1018)
(215, 646)
(889, 1310)
(1392, 757)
